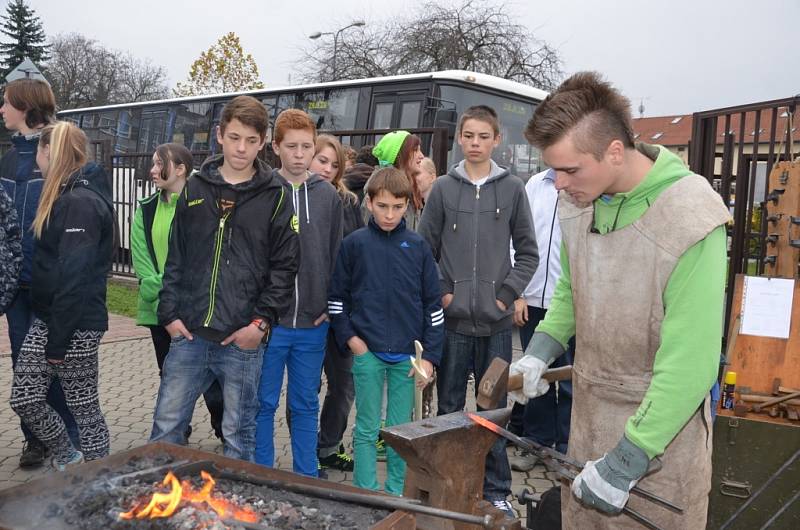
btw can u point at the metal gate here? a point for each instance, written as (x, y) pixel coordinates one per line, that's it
(735, 148)
(130, 180)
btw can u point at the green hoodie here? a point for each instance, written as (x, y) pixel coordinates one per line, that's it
(149, 266)
(687, 359)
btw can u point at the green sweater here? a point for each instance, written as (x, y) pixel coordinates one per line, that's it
(687, 359)
(147, 270)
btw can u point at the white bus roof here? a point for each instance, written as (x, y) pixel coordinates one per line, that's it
(483, 80)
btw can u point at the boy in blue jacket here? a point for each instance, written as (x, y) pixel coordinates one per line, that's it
(384, 295)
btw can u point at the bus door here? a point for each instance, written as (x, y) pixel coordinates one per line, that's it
(397, 110)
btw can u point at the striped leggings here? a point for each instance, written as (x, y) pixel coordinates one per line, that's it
(78, 375)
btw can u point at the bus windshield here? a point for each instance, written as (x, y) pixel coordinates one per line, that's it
(514, 152)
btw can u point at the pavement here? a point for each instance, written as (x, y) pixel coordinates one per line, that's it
(128, 388)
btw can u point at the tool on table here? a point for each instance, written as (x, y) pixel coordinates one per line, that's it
(780, 399)
(496, 383)
(556, 459)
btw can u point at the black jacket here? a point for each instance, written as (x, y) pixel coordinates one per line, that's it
(224, 269)
(72, 260)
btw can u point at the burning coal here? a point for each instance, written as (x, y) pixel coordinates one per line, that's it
(165, 504)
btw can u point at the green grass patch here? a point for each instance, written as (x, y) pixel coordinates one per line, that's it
(121, 299)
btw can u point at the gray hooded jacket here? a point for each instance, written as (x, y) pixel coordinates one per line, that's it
(319, 224)
(469, 229)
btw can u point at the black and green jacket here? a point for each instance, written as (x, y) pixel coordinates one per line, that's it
(224, 269)
(143, 252)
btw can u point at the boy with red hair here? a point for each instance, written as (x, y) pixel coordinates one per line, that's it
(298, 341)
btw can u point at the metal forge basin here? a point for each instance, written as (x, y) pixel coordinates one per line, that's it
(36, 504)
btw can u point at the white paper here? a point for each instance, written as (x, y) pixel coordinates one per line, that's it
(767, 307)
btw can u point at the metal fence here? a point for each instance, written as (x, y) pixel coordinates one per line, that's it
(736, 148)
(130, 178)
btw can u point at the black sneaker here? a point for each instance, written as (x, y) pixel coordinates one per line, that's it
(339, 460)
(33, 454)
(321, 474)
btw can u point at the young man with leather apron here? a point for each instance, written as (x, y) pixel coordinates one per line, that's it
(642, 285)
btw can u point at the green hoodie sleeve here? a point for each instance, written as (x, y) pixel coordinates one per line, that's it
(149, 279)
(559, 321)
(687, 361)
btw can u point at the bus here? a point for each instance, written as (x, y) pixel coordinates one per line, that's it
(356, 111)
(426, 100)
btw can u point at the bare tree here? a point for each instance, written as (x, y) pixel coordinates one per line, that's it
(83, 73)
(471, 36)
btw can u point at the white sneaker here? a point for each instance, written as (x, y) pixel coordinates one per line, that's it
(76, 459)
(505, 507)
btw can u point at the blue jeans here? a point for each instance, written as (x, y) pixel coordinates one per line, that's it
(546, 418)
(301, 351)
(463, 353)
(20, 317)
(189, 369)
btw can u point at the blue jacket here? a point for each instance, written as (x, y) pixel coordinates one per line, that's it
(385, 289)
(23, 182)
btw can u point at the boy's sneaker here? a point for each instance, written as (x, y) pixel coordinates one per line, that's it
(76, 459)
(380, 449)
(505, 507)
(321, 474)
(339, 460)
(33, 454)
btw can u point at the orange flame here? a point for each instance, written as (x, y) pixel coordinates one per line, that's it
(480, 420)
(165, 504)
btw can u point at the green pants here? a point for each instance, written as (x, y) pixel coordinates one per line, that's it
(369, 374)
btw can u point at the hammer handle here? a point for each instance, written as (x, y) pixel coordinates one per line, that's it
(775, 401)
(563, 373)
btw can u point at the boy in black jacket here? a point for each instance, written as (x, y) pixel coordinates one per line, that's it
(230, 272)
(384, 295)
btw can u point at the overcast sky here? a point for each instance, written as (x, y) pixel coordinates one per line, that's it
(677, 56)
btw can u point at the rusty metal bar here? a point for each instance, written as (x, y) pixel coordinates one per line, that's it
(751, 192)
(726, 171)
(750, 106)
(789, 144)
(363, 499)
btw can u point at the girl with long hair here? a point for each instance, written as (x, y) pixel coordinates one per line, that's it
(28, 106)
(403, 150)
(74, 230)
(329, 162)
(152, 225)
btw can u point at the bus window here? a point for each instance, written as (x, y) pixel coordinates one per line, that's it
(331, 109)
(382, 115)
(191, 127)
(409, 114)
(514, 152)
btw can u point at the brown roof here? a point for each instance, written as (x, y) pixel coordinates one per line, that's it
(676, 130)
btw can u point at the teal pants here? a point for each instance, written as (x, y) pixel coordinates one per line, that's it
(369, 374)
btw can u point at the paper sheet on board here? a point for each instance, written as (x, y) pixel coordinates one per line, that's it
(767, 307)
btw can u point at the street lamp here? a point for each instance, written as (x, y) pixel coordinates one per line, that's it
(318, 34)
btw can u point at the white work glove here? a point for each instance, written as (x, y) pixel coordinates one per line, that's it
(604, 484)
(533, 385)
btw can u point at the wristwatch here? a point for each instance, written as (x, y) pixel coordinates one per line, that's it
(261, 324)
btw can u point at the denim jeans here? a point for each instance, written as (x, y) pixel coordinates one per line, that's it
(463, 353)
(301, 352)
(189, 369)
(20, 317)
(546, 418)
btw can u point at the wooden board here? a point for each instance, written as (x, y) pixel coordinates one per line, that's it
(759, 360)
(785, 177)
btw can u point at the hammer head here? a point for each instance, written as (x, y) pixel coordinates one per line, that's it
(493, 385)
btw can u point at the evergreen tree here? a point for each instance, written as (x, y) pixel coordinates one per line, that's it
(24, 31)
